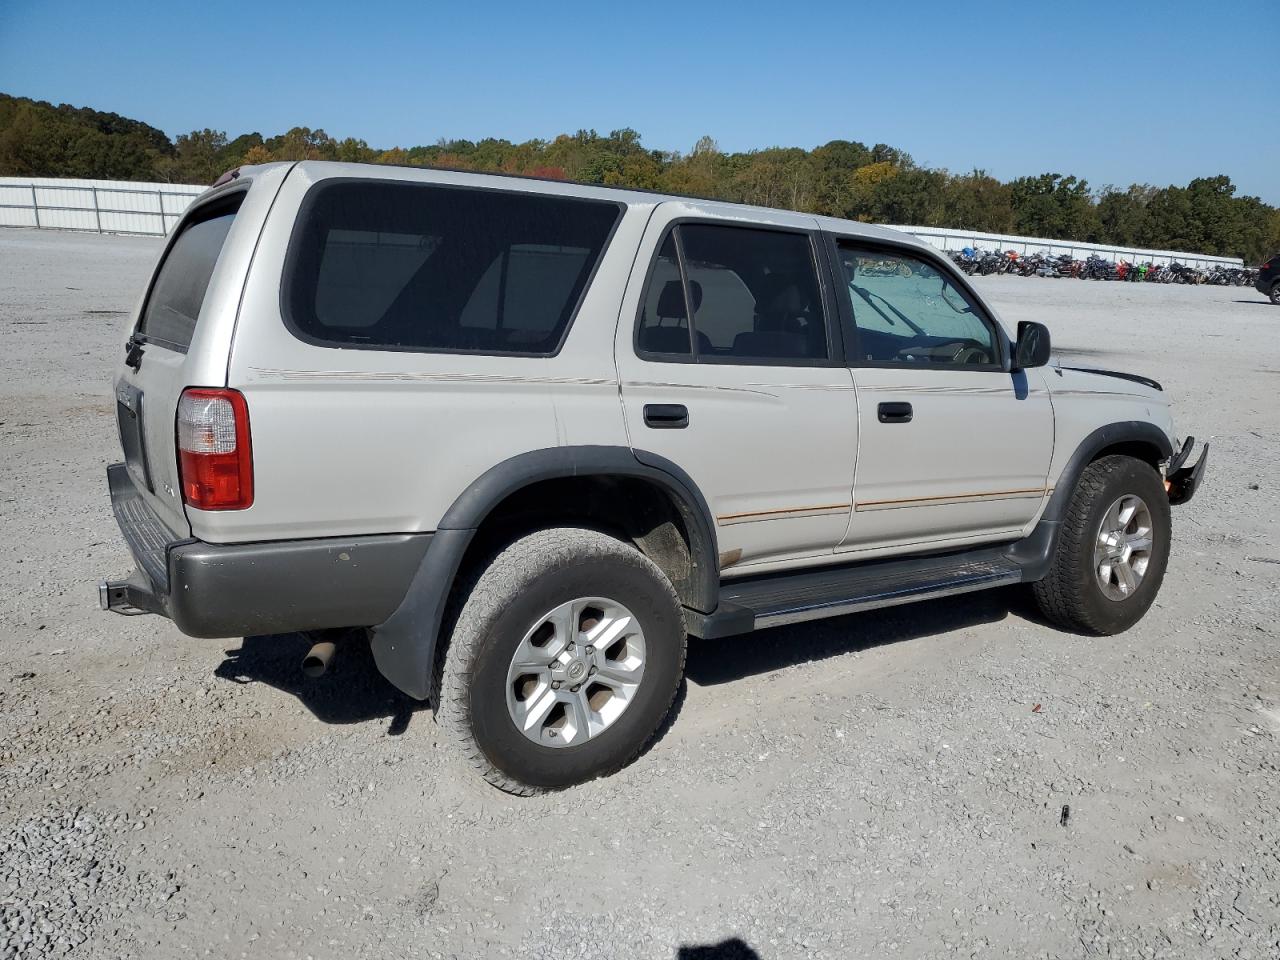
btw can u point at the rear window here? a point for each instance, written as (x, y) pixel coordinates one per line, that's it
(388, 265)
(173, 306)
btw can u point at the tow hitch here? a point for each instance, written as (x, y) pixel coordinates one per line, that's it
(132, 597)
(1181, 480)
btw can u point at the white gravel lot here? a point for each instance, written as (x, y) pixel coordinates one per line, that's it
(875, 786)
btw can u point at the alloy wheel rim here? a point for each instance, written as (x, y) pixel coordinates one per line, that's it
(1122, 548)
(575, 672)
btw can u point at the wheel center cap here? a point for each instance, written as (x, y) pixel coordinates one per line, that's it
(576, 670)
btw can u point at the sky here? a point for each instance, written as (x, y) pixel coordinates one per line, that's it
(1153, 93)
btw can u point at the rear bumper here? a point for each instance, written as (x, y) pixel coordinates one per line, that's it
(250, 589)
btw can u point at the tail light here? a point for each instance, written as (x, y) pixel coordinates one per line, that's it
(215, 461)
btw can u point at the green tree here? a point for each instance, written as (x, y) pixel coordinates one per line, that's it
(198, 156)
(1122, 214)
(841, 177)
(978, 201)
(1053, 205)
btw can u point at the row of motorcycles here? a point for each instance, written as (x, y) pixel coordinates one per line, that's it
(986, 262)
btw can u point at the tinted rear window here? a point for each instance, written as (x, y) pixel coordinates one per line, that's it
(400, 266)
(173, 306)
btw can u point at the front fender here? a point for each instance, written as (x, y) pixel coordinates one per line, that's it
(1125, 434)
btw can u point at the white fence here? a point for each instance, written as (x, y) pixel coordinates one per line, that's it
(122, 206)
(105, 206)
(945, 239)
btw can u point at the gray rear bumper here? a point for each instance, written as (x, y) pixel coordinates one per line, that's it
(250, 589)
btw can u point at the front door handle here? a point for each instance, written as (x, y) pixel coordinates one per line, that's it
(666, 416)
(895, 412)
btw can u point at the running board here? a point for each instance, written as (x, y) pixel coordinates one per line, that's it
(756, 603)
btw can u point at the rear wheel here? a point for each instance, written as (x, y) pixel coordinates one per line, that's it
(1275, 293)
(564, 661)
(1112, 550)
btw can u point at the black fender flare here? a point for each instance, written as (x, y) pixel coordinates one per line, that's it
(1035, 552)
(1113, 434)
(404, 646)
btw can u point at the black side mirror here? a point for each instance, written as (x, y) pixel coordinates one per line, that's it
(1032, 348)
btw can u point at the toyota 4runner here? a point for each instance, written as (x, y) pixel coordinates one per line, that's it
(526, 436)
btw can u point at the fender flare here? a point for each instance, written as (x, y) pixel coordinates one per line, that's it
(404, 646)
(1035, 552)
(1125, 431)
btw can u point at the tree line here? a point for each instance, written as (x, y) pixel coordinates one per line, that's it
(843, 178)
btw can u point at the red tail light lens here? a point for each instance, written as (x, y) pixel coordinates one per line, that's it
(215, 461)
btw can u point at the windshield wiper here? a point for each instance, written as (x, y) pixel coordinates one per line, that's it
(867, 295)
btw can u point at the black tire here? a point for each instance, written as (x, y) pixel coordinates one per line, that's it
(515, 590)
(1071, 595)
(1275, 293)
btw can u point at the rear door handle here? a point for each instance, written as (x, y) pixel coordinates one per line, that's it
(895, 412)
(666, 416)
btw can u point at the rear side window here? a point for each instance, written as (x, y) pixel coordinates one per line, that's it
(173, 306)
(753, 293)
(389, 265)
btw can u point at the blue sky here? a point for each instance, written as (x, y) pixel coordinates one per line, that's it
(1114, 93)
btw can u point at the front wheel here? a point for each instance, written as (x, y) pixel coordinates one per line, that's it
(1112, 550)
(564, 660)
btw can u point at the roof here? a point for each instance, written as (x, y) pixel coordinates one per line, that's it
(697, 206)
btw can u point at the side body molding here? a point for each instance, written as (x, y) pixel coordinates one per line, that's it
(1035, 553)
(404, 646)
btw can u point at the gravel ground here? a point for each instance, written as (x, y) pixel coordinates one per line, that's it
(888, 784)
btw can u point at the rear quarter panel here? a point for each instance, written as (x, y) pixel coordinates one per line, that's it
(164, 373)
(353, 441)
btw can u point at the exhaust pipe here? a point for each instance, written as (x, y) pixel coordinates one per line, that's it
(316, 662)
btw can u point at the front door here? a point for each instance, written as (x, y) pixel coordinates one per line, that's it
(726, 359)
(954, 448)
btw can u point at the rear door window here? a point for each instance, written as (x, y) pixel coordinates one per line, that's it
(753, 292)
(173, 305)
(664, 317)
(389, 265)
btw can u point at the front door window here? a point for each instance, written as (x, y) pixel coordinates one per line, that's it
(908, 312)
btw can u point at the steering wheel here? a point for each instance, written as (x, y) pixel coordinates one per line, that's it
(971, 354)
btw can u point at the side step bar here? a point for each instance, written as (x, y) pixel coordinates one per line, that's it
(753, 604)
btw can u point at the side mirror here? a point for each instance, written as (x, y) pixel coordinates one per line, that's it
(1032, 348)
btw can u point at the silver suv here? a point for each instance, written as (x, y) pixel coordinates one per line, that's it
(525, 436)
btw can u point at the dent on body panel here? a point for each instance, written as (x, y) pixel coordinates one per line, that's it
(1083, 403)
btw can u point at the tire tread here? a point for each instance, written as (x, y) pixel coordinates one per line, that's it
(1060, 595)
(490, 587)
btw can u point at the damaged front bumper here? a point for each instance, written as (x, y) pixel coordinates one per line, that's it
(1183, 481)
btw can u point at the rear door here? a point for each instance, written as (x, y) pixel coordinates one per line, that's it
(169, 349)
(725, 352)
